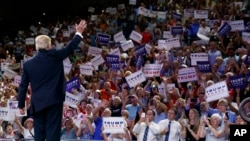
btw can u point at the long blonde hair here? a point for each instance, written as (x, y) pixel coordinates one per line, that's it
(196, 119)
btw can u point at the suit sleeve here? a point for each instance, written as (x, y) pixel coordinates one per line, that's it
(73, 44)
(23, 89)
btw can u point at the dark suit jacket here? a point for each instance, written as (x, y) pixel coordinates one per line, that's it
(45, 73)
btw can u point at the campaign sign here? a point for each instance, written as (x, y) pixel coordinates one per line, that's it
(132, 2)
(248, 78)
(10, 74)
(161, 15)
(200, 14)
(172, 43)
(177, 30)
(187, 75)
(152, 70)
(13, 108)
(247, 60)
(162, 44)
(67, 65)
(97, 60)
(247, 26)
(117, 65)
(5, 114)
(143, 11)
(204, 66)
(94, 51)
(127, 45)
(237, 81)
(140, 51)
(139, 62)
(224, 29)
(115, 51)
(73, 83)
(177, 17)
(86, 70)
(148, 48)
(239, 132)
(112, 58)
(198, 57)
(71, 100)
(113, 124)
(246, 37)
(103, 38)
(237, 25)
(216, 91)
(167, 34)
(188, 12)
(135, 36)
(119, 37)
(17, 80)
(30, 41)
(135, 78)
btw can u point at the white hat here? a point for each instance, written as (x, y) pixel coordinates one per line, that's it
(243, 57)
(27, 120)
(184, 66)
(124, 55)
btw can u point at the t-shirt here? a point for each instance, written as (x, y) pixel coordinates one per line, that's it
(28, 134)
(98, 129)
(116, 111)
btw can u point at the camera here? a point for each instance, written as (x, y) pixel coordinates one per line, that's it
(89, 101)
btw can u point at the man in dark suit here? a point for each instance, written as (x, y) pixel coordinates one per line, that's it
(45, 73)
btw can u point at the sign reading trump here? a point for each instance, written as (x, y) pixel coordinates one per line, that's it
(187, 75)
(113, 124)
(216, 91)
(135, 78)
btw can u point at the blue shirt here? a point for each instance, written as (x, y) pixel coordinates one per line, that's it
(212, 56)
(98, 129)
(231, 114)
(68, 135)
(159, 117)
(132, 111)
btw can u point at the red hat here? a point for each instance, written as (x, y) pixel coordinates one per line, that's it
(231, 93)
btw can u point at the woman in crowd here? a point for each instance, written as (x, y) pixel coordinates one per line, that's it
(69, 130)
(86, 128)
(191, 125)
(213, 131)
(28, 129)
(116, 107)
(9, 132)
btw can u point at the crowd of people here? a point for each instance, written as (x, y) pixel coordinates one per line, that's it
(165, 105)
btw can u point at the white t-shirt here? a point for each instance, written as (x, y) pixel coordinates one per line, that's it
(27, 134)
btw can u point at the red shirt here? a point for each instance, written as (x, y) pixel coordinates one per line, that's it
(146, 37)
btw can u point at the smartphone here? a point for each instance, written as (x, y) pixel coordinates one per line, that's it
(143, 114)
(189, 86)
(194, 100)
(204, 117)
(227, 115)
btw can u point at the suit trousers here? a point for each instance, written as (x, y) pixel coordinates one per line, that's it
(48, 123)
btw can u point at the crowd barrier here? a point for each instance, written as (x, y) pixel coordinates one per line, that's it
(60, 140)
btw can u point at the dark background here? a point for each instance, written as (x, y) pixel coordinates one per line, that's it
(16, 14)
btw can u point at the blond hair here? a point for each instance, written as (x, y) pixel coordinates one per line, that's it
(42, 42)
(223, 102)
